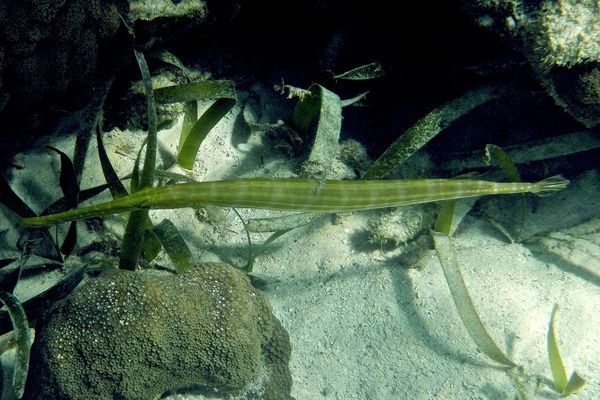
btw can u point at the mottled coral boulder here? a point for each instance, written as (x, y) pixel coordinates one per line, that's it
(133, 335)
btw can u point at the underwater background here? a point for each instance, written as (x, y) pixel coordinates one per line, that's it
(361, 305)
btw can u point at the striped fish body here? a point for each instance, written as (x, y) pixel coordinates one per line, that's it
(329, 196)
(289, 194)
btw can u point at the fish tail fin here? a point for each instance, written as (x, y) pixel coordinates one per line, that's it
(550, 185)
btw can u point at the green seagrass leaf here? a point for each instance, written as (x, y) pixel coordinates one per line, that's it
(562, 386)
(428, 127)
(190, 116)
(193, 91)
(147, 175)
(493, 152)
(70, 187)
(326, 106)
(364, 72)
(556, 364)
(68, 179)
(261, 249)
(170, 58)
(444, 221)
(37, 304)
(12, 201)
(355, 99)
(306, 110)
(9, 276)
(85, 194)
(195, 130)
(132, 240)
(466, 309)
(189, 149)
(136, 173)
(252, 254)
(279, 223)
(23, 340)
(117, 189)
(134, 231)
(151, 245)
(575, 383)
(70, 240)
(174, 245)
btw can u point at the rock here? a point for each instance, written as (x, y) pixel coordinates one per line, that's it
(134, 335)
(59, 59)
(149, 10)
(560, 39)
(157, 22)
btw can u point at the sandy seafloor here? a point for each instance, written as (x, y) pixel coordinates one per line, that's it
(363, 323)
